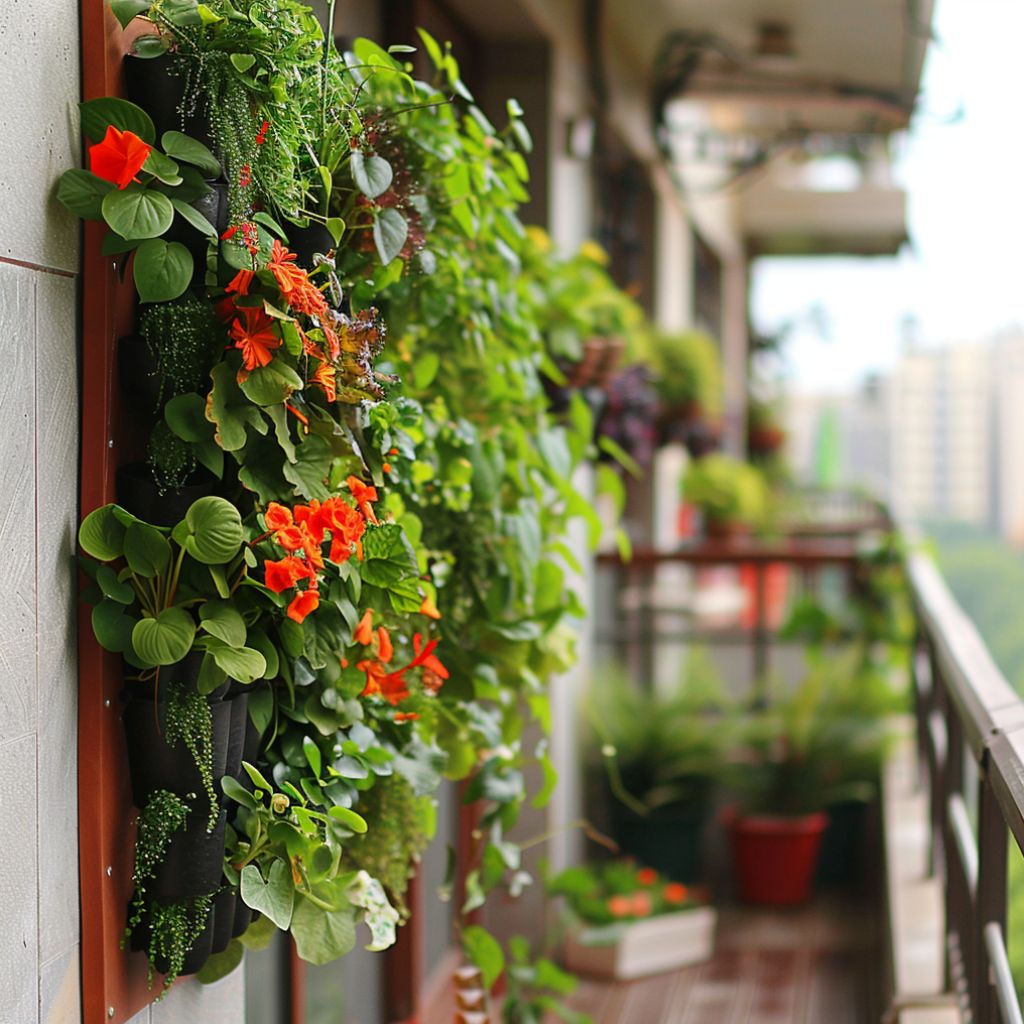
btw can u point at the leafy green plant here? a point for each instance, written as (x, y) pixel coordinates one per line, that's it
(171, 460)
(182, 337)
(173, 930)
(728, 491)
(688, 372)
(536, 988)
(189, 720)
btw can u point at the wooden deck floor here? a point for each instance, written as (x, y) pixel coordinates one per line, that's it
(814, 965)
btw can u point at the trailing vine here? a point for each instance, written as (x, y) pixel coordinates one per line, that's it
(190, 720)
(174, 928)
(181, 337)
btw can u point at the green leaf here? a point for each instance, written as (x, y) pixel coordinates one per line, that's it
(211, 531)
(322, 936)
(102, 534)
(137, 213)
(243, 663)
(162, 270)
(165, 639)
(336, 227)
(82, 193)
(259, 641)
(270, 224)
(99, 114)
(312, 754)
(112, 628)
(190, 151)
(112, 587)
(390, 231)
(220, 965)
(425, 369)
(114, 245)
(483, 949)
(195, 218)
(372, 174)
(275, 897)
(146, 550)
(387, 556)
(127, 10)
(242, 62)
(234, 790)
(162, 167)
(259, 934)
(230, 410)
(309, 471)
(432, 47)
(185, 415)
(257, 778)
(211, 675)
(222, 620)
(148, 47)
(271, 384)
(355, 822)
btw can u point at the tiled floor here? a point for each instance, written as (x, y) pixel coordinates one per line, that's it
(814, 965)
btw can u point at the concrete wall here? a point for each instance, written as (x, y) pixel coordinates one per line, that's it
(39, 427)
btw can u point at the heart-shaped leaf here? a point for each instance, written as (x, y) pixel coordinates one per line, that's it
(390, 231)
(190, 151)
(99, 114)
(146, 550)
(162, 167)
(222, 620)
(274, 898)
(137, 213)
(242, 663)
(321, 935)
(112, 587)
(372, 174)
(162, 270)
(165, 639)
(242, 61)
(271, 384)
(126, 10)
(82, 193)
(113, 629)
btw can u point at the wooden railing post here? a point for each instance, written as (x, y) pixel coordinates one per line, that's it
(990, 906)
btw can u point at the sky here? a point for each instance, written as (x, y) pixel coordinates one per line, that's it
(961, 278)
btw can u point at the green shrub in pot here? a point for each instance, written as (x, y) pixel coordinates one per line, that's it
(730, 493)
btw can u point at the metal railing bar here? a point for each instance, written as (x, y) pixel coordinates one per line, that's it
(1001, 976)
(939, 738)
(963, 834)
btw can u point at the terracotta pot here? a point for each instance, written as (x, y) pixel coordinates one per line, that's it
(717, 529)
(776, 857)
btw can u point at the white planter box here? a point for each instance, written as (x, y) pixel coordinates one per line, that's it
(638, 948)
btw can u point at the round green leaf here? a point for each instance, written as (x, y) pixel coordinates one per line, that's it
(102, 534)
(165, 639)
(146, 549)
(259, 641)
(137, 213)
(220, 965)
(82, 193)
(484, 950)
(190, 151)
(271, 384)
(222, 620)
(322, 935)
(211, 675)
(162, 270)
(147, 47)
(99, 114)
(211, 531)
(112, 587)
(243, 663)
(372, 174)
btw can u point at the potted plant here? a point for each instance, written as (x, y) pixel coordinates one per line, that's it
(627, 921)
(797, 755)
(730, 493)
(661, 754)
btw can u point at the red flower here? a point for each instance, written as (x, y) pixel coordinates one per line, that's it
(364, 494)
(282, 265)
(284, 574)
(254, 333)
(385, 649)
(676, 892)
(240, 282)
(261, 135)
(302, 604)
(434, 673)
(647, 876)
(277, 517)
(119, 157)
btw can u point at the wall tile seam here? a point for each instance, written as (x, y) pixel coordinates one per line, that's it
(49, 961)
(38, 268)
(20, 738)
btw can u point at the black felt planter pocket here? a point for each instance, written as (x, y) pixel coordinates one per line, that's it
(150, 83)
(239, 705)
(138, 494)
(224, 907)
(243, 917)
(193, 864)
(305, 242)
(138, 376)
(156, 764)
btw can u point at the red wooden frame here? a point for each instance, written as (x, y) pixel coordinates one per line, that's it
(113, 981)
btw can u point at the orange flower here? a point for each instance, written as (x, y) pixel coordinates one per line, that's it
(676, 892)
(425, 657)
(290, 538)
(282, 265)
(302, 604)
(641, 904)
(406, 716)
(241, 282)
(429, 609)
(386, 467)
(620, 906)
(647, 876)
(284, 574)
(253, 332)
(364, 494)
(325, 378)
(119, 157)
(277, 517)
(385, 649)
(364, 631)
(381, 683)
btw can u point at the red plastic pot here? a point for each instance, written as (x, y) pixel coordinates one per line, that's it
(776, 857)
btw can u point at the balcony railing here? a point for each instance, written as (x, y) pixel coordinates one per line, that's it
(970, 722)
